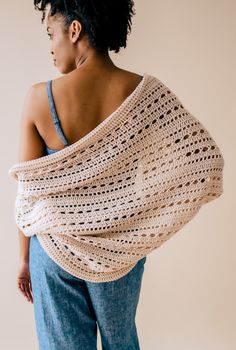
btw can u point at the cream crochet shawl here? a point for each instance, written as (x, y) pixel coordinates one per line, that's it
(107, 200)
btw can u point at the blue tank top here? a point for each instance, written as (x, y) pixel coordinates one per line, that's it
(55, 119)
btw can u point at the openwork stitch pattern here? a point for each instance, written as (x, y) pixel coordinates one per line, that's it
(104, 202)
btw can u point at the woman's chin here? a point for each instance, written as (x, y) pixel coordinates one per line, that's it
(65, 70)
(61, 70)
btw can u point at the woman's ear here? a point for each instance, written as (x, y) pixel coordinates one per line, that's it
(75, 30)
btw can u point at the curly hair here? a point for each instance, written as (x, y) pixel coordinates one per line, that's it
(106, 22)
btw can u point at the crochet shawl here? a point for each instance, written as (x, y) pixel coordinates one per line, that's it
(106, 201)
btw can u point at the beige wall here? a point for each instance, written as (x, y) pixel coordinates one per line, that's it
(188, 293)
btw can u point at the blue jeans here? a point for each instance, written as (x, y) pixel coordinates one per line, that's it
(68, 309)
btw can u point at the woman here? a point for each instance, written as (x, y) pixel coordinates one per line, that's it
(68, 309)
(138, 168)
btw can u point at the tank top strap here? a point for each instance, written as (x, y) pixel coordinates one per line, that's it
(54, 113)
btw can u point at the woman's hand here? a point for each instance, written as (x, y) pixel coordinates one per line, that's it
(24, 280)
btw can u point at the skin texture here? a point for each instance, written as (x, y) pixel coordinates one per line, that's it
(90, 89)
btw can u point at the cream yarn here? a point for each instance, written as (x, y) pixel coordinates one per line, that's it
(104, 202)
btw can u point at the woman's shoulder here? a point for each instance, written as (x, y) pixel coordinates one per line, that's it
(83, 77)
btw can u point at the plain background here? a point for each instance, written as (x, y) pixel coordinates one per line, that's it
(188, 294)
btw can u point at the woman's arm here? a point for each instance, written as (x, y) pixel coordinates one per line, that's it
(31, 144)
(31, 147)
(24, 247)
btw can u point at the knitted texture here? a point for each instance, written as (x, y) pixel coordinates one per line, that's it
(107, 200)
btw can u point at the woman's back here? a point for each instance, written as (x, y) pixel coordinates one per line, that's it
(76, 104)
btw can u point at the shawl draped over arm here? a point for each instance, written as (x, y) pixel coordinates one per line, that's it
(104, 202)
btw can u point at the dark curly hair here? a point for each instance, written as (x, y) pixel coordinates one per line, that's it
(106, 22)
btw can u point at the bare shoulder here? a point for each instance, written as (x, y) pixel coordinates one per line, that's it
(82, 77)
(131, 74)
(33, 103)
(39, 89)
(128, 80)
(36, 91)
(31, 143)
